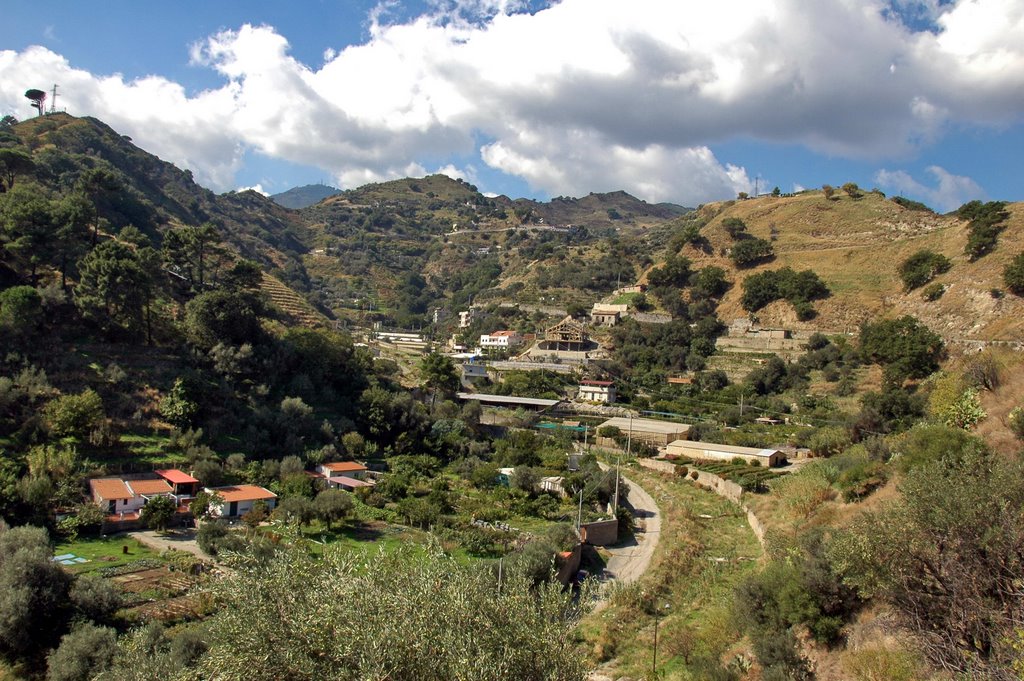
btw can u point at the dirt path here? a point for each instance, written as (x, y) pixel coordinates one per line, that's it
(629, 560)
(178, 539)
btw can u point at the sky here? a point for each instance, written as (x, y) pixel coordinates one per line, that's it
(686, 101)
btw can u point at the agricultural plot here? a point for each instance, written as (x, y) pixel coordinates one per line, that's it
(159, 594)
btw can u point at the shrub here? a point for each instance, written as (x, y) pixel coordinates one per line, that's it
(911, 205)
(734, 227)
(852, 190)
(921, 267)
(74, 415)
(1013, 275)
(986, 222)
(82, 654)
(750, 252)
(933, 292)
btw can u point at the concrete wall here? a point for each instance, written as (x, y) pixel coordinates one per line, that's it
(720, 486)
(568, 569)
(600, 533)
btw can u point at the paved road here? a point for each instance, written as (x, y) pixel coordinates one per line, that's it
(628, 561)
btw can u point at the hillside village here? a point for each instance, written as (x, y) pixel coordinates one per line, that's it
(596, 436)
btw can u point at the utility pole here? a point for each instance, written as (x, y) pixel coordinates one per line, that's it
(615, 506)
(500, 561)
(579, 515)
(629, 436)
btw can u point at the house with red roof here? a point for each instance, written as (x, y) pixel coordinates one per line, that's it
(346, 475)
(597, 391)
(237, 500)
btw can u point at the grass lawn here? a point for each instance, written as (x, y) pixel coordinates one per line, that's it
(371, 537)
(706, 549)
(104, 552)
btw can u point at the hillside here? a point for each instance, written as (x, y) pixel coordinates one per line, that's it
(305, 196)
(856, 247)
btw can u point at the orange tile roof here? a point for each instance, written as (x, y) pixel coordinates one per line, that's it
(106, 489)
(344, 466)
(149, 486)
(176, 477)
(243, 493)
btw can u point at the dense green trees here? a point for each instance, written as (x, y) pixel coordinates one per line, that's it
(194, 253)
(904, 347)
(799, 288)
(223, 316)
(115, 288)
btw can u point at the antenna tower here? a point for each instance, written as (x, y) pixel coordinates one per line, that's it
(53, 100)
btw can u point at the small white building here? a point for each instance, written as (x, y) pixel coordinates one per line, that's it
(603, 314)
(348, 469)
(597, 391)
(711, 451)
(237, 500)
(466, 318)
(500, 340)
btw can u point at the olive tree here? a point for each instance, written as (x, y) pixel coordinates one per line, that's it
(398, 616)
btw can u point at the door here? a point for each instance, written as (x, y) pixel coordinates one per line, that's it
(233, 508)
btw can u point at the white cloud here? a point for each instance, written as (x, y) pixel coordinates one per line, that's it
(258, 188)
(584, 95)
(950, 191)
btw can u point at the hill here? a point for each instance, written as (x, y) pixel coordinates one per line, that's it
(154, 196)
(305, 196)
(856, 245)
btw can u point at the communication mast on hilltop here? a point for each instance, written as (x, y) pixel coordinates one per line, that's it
(53, 100)
(37, 97)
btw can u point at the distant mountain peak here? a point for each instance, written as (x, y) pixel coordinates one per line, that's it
(305, 196)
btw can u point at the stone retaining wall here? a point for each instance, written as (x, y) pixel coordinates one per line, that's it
(720, 486)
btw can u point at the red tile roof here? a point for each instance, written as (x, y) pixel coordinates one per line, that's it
(106, 489)
(243, 493)
(158, 486)
(176, 477)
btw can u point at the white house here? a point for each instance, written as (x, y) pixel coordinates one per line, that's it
(237, 500)
(603, 314)
(466, 318)
(500, 340)
(348, 469)
(597, 391)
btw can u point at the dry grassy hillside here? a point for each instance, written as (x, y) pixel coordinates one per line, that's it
(856, 246)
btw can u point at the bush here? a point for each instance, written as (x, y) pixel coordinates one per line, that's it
(799, 288)
(933, 292)
(986, 222)
(74, 415)
(734, 227)
(750, 252)
(921, 267)
(82, 654)
(1013, 275)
